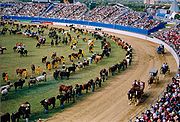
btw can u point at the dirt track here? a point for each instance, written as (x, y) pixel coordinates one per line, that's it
(110, 104)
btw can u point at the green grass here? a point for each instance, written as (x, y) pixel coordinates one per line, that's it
(10, 61)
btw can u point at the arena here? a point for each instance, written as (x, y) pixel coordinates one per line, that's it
(62, 61)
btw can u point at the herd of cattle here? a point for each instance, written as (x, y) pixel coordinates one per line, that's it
(67, 93)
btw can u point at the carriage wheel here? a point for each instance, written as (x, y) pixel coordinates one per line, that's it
(157, 80)
(168, 71)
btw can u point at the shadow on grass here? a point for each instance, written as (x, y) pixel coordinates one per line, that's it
(29, 90)
(35, 116)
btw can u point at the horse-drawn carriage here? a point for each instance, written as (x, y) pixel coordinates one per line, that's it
(135, 94)
(160, 49)
(165, 69)
(153, 76)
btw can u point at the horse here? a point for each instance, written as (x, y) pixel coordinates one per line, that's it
(165, 70)
(80, 53)
(98, 81)
(59, 59)
(125, 63)
(25, 110)
(134, 96)
(15, 117)
(33, 68)
(113, 69)
(152, 79)
(85, 63)
(5, 89)
(23, 52)
(86, 86)
(64, 88)
(72, 68)
(20, 71)
(97, 57)
(47, 102)
(38, 44)
(104, 74)
(44, 59)
(5, 117)
(19, 83)
(32, 80)
(62, 98)
(106, 52)
(136, 92)
(75, 55)
(47, 64)
(2, 49)
(41, 77)
(64, 73)
(54, 62)
(53, 55)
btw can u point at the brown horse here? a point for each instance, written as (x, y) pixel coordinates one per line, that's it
(59, 59)
(64, 88)
(44, 59)
(20, 71)
(97, 58)
(53, 55)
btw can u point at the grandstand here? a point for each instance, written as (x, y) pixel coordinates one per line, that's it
(112, 14)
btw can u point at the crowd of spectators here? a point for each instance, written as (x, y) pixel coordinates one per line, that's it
(146, 23)
(33, 9)
(72, 11)
(102, 13)
(13, 9)
(25, 9)
(171, 37)
(129, 18)
(167, 108)
(112, 14)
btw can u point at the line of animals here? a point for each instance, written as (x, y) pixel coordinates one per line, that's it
(115, 68)
(62, 73)
(66, 94)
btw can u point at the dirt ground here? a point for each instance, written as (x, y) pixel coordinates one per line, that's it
(111, 104)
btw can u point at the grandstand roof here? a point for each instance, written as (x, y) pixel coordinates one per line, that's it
(174, 7)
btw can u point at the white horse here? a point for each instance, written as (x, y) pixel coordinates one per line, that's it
(4, 92)
(41, 78)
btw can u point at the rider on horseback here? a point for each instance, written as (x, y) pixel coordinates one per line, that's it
(63, 67)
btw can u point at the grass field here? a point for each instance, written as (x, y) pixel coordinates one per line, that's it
(11, 60)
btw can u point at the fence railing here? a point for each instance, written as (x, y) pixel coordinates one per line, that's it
(88, 23)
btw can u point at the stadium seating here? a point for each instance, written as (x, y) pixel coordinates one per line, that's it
(166, 109)
(113, 14)
(171, 37)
